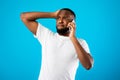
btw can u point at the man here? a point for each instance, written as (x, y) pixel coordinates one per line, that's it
(61, 51)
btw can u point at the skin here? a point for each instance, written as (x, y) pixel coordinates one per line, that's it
(63, 19)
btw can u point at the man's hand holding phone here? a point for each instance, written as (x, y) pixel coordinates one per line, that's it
(72, 28)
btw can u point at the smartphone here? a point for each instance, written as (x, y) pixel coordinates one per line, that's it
(69, 27)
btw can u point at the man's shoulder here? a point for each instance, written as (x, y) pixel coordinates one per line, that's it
(44, 28)
(80, 39)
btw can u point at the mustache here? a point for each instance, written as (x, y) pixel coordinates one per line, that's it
(60, 25)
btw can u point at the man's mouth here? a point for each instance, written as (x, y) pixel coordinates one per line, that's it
(60, 26)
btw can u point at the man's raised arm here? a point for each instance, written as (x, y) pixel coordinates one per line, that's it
(29, 19)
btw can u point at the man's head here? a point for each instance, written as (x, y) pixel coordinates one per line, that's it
(64, 16)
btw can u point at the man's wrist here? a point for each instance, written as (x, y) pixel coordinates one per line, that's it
(53, 15)
(73, 38)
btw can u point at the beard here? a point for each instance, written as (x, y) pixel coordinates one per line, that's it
(62, 31)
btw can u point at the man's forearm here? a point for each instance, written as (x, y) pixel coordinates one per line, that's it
(85, 59)
(36, 15)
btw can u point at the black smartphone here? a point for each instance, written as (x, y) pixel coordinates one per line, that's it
(69, 27)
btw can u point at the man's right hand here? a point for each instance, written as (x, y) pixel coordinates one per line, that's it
(56, 13)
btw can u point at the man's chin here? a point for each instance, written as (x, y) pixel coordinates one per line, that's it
(63, 30)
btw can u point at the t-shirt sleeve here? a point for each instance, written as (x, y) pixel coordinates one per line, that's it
(42, 33)
(84, 45)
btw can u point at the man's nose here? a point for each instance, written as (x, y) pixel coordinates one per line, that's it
(60, 20)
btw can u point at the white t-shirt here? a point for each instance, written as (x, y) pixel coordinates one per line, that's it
(59, 58)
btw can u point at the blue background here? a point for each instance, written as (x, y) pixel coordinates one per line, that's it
(98, 22)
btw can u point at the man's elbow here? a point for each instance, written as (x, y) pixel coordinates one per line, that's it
(90, 65)
(23, 16)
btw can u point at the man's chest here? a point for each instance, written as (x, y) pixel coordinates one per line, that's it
(63, 49)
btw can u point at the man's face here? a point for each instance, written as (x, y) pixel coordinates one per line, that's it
(63, 18)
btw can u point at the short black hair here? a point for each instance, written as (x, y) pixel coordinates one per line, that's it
(67, 9)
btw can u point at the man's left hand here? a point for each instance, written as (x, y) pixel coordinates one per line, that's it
(72, 27)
